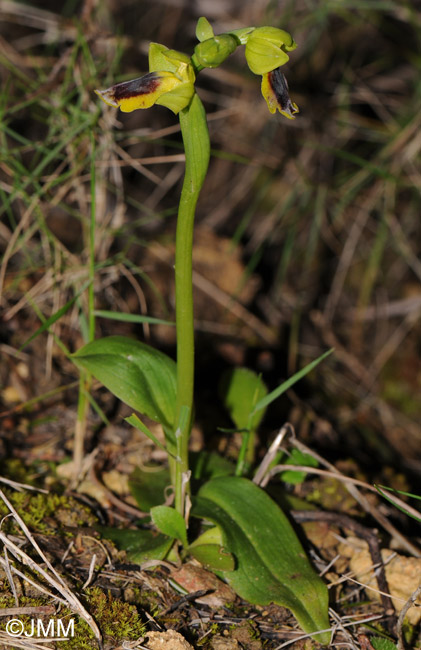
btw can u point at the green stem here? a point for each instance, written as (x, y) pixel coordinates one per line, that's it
(197, 148)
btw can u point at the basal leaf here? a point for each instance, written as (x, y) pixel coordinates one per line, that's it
(148, 486)
(209, 550)
(139, 375)
(213, 556)
(205, 465)
(271, 563)
(141, 545)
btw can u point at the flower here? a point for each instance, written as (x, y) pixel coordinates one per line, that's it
(170, 83)
(266, 52)
(275, 92)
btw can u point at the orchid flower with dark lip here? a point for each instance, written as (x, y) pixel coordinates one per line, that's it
(170, 83)
(266, 52)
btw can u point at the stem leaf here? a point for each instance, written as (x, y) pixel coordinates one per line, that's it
(170, 522)
(139, 375)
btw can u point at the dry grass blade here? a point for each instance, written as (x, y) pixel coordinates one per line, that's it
(23, 644)
(361, 499)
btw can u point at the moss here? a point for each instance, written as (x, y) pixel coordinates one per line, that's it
(151, 601)
(45, 513)
(15, 470)
(117, 620)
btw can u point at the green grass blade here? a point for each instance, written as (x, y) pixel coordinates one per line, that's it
(273, 395)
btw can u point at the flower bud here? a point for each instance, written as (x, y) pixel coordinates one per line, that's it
(212, 52)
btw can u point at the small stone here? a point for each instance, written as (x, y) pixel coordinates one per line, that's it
(169, 640)
(402, 574)
(220, 643)
(195, 578)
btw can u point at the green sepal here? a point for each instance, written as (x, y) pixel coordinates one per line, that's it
(163, 59)
(266, 49)
(274, 35)
(242, 34)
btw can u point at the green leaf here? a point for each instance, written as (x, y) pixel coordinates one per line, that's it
(297, 457)
(241, 389)
(141, 545)
(131, 318)
(205, 465)
(380, 643)
(380, 489)
(213, 557)
(148, 486)
(55, 317)
(139, 375)
(265, 401)
(170, 522)
(209, 550)
(271, 563)
(138, 424)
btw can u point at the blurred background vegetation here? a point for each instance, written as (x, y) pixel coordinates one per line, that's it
(308, 231)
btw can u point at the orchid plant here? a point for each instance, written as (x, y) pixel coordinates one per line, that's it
(251, 543)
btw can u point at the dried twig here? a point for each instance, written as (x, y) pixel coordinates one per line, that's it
(350, 485)
(411, 602)
(365, 533)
